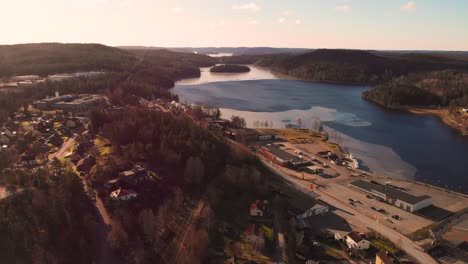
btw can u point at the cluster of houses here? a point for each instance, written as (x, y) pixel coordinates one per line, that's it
(39, 131)
(123, 187)
(8, 135)
(164, 105)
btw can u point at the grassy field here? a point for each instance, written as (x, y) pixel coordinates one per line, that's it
(303, 136)
(423, 233)
(298, 136)
(384, 245)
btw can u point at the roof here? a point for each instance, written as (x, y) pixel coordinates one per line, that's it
(390, 191)
(355, 236)
(281, 154)
(128, 173)
(387, 258)
(123, 192)
(250, 230)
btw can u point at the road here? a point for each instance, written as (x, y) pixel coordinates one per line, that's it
(105, 255)
(357, 218)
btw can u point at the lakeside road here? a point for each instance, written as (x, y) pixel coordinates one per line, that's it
(359, 219)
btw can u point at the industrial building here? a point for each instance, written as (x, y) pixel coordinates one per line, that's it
(71, 102)
(281, 157)
(393, 195)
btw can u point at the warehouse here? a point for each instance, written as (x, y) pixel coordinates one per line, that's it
(393, 196)
(281, 157)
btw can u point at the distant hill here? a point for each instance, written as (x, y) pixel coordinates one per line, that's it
(162, 66)
(230, 50)
(130, 73)
(357, 66)
(49, 58)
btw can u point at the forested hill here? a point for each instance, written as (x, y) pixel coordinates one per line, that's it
(49, 58)
(130, 73)
(357, 66)
(439, 88)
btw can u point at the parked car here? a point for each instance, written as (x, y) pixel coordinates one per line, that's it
(369, 197)
(316, 244)
(397, 217)
(373, 208)
(382, 211)
(351, 203)
(351, 200)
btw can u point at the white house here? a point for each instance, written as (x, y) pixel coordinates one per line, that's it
(317, 209)
(70, 123)
(357, 241)
(258, 208)
(4, 139)
(123, 194)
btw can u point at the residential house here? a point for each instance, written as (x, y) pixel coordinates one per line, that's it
(357, 241)
(3, 148)
(258, 208)
(55, 140)
(28, 159)
(72, 123)
(86, 164)
(317, 209)
(135, 176)
(112, 184)
(123, 194)
(75, 158)
(385, 258)
(4, 139)
(253, 235)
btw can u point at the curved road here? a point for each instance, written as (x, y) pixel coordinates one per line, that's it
(360, 219)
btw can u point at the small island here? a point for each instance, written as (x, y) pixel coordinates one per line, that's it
(230, 68)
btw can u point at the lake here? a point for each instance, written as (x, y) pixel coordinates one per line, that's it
(392, 144)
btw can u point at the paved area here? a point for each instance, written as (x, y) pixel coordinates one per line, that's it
(355, 218)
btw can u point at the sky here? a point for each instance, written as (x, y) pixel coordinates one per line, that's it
(353, 24)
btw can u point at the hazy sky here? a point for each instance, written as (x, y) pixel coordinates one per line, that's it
(364, 24)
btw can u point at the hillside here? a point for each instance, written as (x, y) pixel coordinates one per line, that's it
(144, 73)
(357, 66)
(438, 88)
(49, 58)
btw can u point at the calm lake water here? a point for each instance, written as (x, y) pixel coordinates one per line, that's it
(390, 143)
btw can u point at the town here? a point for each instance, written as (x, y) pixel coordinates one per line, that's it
(319, 207)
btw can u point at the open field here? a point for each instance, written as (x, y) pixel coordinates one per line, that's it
(303, 136)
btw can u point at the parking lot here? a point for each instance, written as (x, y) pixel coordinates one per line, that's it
(406, 224)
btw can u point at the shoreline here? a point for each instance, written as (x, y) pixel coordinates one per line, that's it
(443, 116)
